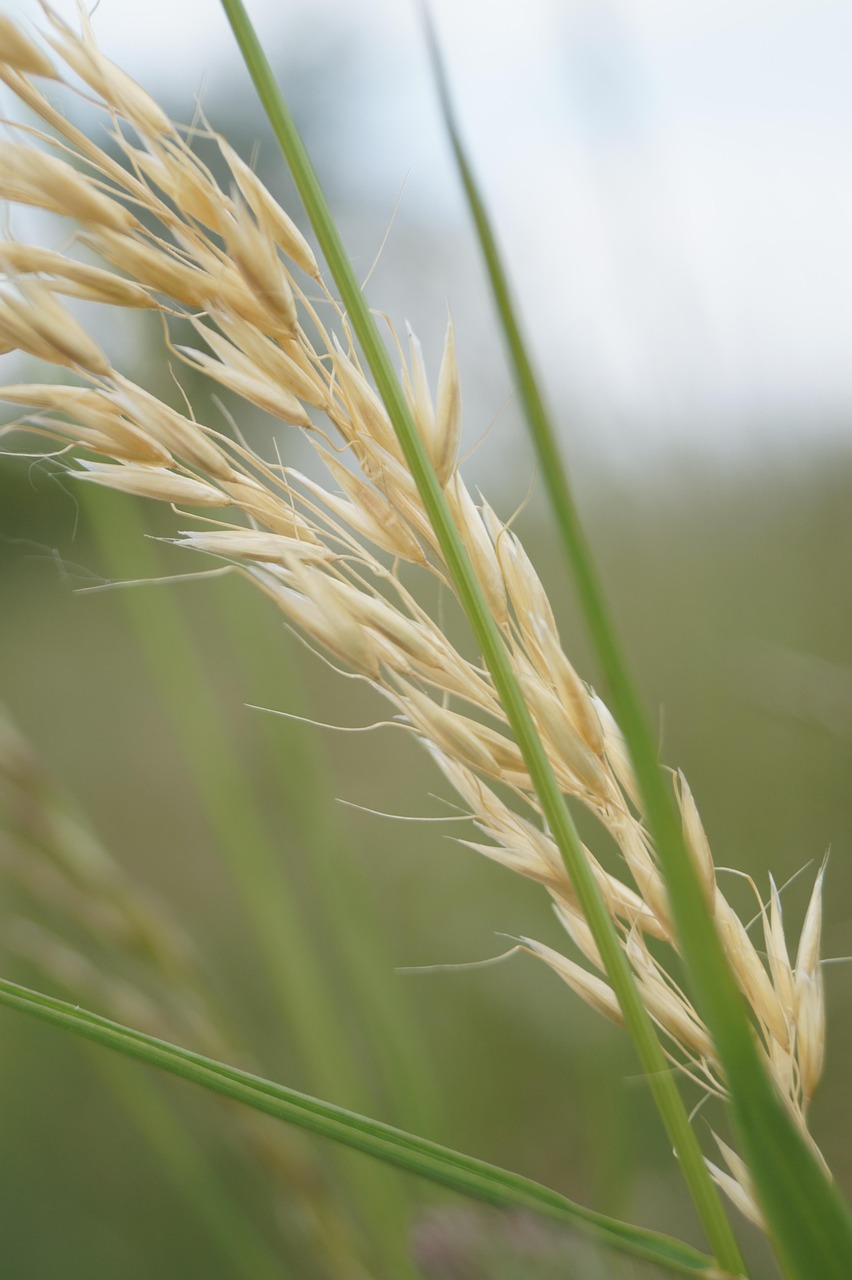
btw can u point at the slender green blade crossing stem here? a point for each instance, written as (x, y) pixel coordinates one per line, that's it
(472, 1177)
(663, 1087)
(808, 1221)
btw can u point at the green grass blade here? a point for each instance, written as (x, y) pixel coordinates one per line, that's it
(415, 1155)
(808, 1222)
(655, 1066)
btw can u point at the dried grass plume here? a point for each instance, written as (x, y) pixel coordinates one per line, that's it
(228, 262)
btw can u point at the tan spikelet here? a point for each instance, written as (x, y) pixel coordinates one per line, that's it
(33, 320)
(593, 991)
(249, 349)
(751, 975)
(808, 954)
(696, 841)
(447, 421)
(152, 266)
(369, 513)
(269, 213)
(367, 414)
(616, 750)
(260, 266)
(108, 80)
(526, 592)
(777, 954)
(154, 482)
(32, 177)
(172, 169)
(72, 277)
(252, 544)
(177, 433)
(260, 391)
(479, 547)
(736, 1184)
(265, 507)
(18, 51)
(94, 420)
(416, 386)
(555, 723)
(810, 995)
(571, 691)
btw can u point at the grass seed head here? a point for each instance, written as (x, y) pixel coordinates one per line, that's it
(808, 954)
(18, 51)
(447, 422)
(269, 214)
(154, 482)
(810, 1031)
(92, 418)
(750, 973)
(592, 990)
(221, 260)
(479, 547)
(68, 276)
(696, 840)
(33, 321)
(114, 85)
(177, 433)
(737, 1184)
(252, 544)
(777, 954)
(416, 385)
(151, 265)
(262, 269)
(32, 177)
(170, 167)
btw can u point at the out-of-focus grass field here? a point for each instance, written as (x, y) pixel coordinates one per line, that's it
(733, 594)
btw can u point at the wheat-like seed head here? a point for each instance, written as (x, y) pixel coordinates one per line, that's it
(229, 259)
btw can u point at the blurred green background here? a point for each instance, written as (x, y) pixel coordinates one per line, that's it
(730, 578)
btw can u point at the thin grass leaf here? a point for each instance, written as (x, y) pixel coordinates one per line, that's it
(808, 1221)
(491, 643)
(465, 1174)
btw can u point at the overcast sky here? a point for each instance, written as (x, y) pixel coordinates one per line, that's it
(671, 182)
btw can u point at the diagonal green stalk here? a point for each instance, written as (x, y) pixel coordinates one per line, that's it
(462, 573)
(309, 1007)
(809, 1223)
(426, 1159)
